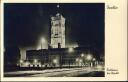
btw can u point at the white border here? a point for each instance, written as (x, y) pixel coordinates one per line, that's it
(115, 41)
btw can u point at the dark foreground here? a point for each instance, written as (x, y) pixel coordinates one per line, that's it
(93, 74)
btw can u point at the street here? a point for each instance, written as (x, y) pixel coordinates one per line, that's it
(65, 72)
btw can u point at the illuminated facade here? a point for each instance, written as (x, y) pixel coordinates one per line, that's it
(58, 31)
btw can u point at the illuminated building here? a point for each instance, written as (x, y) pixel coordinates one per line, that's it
(58, 31)
(59, 55)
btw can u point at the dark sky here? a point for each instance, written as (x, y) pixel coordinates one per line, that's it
(25, 23)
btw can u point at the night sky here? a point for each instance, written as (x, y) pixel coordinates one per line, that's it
(26, 23)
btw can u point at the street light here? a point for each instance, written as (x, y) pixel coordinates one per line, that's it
(54, 61)
(70, 51)
(77, 59)
(80, 60)
(89, 57)
(93, 59)
(82, 55)
(21, 61)
(35, 60)
(26, 63)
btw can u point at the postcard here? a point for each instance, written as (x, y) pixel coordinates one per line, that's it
(63, 40)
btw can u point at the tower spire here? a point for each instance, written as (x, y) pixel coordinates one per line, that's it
(58, 8)
(58, 5)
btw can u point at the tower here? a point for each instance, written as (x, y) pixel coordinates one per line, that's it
(58, 31)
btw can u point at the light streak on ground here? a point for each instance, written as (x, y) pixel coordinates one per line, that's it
(65, 72)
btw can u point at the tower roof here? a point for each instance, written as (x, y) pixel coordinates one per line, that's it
(58, 6)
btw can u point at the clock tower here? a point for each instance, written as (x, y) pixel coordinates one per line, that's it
(58, 31)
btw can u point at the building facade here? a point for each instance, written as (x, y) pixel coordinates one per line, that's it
(63, 57)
